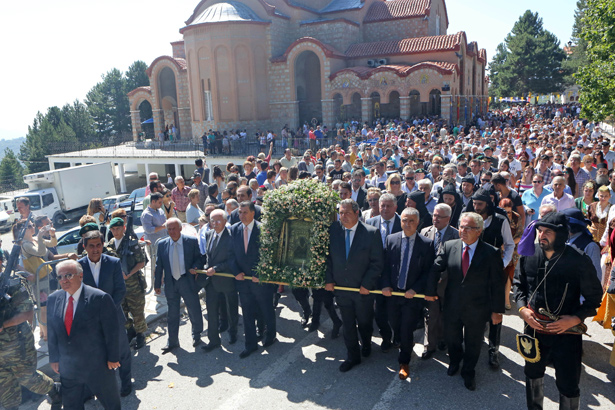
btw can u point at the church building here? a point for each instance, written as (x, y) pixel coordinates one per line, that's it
(261, 64)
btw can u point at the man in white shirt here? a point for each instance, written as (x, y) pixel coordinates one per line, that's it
(609, 156)
(559, 198)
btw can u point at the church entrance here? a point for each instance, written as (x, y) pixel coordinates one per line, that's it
(308, 85)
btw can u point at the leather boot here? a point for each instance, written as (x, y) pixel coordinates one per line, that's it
(56, 396)
(140, 341)
(569, 403)
(534, 393)
(130, 334)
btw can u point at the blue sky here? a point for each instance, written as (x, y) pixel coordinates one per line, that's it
(55, 51)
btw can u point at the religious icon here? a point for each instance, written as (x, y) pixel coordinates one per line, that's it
(383, 81)
(294, 248)
(377, 109)
(346, 84)
(424, 79)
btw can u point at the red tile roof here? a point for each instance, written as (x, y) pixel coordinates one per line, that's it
(401, 70)
(397, 9)
(146, 88)
(417, 45)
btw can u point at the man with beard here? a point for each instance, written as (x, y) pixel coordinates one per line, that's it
(602, 175)
(467, 189)
(497, 233)
(574, 294)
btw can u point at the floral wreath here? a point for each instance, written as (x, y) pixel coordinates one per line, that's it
(302, 199)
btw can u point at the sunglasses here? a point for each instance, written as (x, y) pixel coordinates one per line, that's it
(485, 180)
(536, 182)
(68, 276)
(410, 178)
(395, 182)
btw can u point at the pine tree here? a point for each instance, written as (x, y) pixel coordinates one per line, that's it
(11, 172)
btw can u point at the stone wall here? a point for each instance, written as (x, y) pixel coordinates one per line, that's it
(339, 34)
(178, 49)
(395, 29)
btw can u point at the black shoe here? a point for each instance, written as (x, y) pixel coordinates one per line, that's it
(452, 369)
(270, 342)
(196, 341)
(385, 346)
(276, 299)
(140, 341)
(313, 326)
(366, 350)
(470, 383)
(494, 361)
(335, 332)
(304, 321)
(168, 348)
(347, 365)
(396, 345)
(232, 339)
(246, 353)
(442, 346)
(427, 354)
(210, 346)
(126, 390)
(223, 327)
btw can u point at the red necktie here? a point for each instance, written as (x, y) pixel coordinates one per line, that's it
(465, 260)
(68, 317)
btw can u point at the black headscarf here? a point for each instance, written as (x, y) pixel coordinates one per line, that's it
(451, 189)
(418, 197)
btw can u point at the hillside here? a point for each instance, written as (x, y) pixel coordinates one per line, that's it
(13, 144)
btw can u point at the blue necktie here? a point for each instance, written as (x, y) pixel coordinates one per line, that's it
(437, 241)
(347, 242)
(403, 272)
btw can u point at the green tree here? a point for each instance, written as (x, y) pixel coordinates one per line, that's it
(11, 172)
(136, 76)
(597, 77)
(578, 46)
(529, 60)
(77, 117)
(108, 104)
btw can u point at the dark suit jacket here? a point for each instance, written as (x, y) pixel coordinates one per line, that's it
(110, 280)
(219, 258)
(94, 336)
(450, 234)
(481, 292)
(362, 199)
(423, 255)
(242, 261)
(365, 259)
(376, 221)
(235, 215)
(192, 260)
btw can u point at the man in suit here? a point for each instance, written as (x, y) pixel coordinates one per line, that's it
(178, 258)
(359, 193)
(244, 193)
(440, 232)
(83, 339)
(474, 294)
(104, 272)
(408, 258)
(355, 260)
(256, 298)
(388, 222)
(219, 252)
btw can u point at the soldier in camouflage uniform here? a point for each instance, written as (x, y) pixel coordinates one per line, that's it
(17, 352)
(132, 263)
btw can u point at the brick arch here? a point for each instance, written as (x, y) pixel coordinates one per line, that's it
(300, 47)
(138, 95)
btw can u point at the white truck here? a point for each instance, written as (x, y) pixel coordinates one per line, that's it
(64, 194)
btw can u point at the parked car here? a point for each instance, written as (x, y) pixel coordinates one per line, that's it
(111, 203)
(68, 241)
(138, 195)
(6, 206)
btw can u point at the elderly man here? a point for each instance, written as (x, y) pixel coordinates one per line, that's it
(217, 248)
(287, 160)
(580, 175)
(430, 202)
(179, 195)
(178, 258)
(83, 339)
(355, 259)
(408, 258)
(559, 198)
(387, 223)
(440, 232)
(448, 177)
(474, 294)
(153, 222)
(202, 187)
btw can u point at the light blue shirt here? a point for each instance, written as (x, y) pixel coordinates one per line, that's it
(471, 250)
(150, 219)
(180, 246)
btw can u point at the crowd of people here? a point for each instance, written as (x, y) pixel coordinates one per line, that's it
(452, 218)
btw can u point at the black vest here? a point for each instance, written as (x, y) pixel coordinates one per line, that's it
(493, 234)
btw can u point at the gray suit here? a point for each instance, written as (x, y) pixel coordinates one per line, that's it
(434, 325)
(218, 289)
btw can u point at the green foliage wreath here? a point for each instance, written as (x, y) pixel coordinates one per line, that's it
(303, 199)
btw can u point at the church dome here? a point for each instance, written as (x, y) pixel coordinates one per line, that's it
(227, 11)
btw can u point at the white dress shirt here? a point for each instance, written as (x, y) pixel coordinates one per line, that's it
(76, 297)
(180, 247)
(95, 268)
(352, 230)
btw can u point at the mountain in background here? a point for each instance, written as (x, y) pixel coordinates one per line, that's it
(13, 144)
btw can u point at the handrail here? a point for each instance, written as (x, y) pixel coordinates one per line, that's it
(37, 292)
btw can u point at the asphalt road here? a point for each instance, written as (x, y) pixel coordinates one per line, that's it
(301, 372)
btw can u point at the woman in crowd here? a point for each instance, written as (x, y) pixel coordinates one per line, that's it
(589, 166)
(248, 169)
(393, 186)
(168, 206)
(532, 198)
(525, 182)
(598, 212)
(193, 212)
(373, 197)
(589, 197)
(516, 230)
(572, 183)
